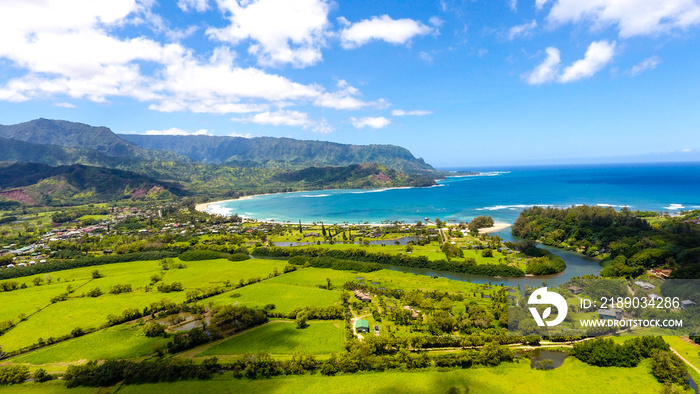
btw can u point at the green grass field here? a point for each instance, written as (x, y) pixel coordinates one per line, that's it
(285, 297)
(117, 342)
(573, 377)
(282, 337)
(62, 317)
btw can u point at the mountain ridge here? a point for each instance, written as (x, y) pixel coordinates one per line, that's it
(273, 151)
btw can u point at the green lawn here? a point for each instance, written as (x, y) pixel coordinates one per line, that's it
(573, 377)
(62, 317)
(214, 272)
(29, 300)
(286, 297)
(123, 341)
(282, 337)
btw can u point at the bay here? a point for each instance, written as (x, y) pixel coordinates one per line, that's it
(499, 192)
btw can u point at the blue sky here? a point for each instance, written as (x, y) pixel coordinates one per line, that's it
(459, 83)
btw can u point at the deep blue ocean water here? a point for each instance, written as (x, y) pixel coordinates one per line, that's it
(499, 192)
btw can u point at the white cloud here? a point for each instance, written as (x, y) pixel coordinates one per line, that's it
(649, 63)
(540, 3)
(435, 21)
(548, 70)
(375, 123)
(196, 5)
(287, 118)
(399, 31)
(513, 5)
(176, 131)
(281, 31)
(400, 112)
(598, 54)
(631, 17)
(246, 135)
(65, 53)
(64, 105)
(521, 30)
(346, 98)
(176, 35)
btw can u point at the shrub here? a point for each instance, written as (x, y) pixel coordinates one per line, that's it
(197, 255)
(96, 292)
(41, 376)
(239, 257)
(154, 329)
(14, 374)
(118, 289)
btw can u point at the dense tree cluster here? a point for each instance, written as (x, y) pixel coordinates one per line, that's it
(480, 222)
(606, 353)
(629, 242)
(133, 372)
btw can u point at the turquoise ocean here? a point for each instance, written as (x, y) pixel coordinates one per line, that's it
(499, 192)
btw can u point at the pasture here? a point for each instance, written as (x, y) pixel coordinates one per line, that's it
(60, 318)
(284, 338)
(123, 341)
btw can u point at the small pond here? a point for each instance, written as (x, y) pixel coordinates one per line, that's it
(540, 355)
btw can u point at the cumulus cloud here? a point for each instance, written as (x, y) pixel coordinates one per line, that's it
(631, 18)
(287, 118)
(176, 131)
(346, 97)
(382, 28)
(89, 51)
(281, 31)
(597, 56)
(649, 63)
(547, 71)
(522, 30)
(373, 122)
(400, 112)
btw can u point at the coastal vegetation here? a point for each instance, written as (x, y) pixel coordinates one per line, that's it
(625, 241)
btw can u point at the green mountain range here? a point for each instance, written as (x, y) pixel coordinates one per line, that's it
(280, 152)
(93, 164)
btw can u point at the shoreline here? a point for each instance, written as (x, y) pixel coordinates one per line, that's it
(495, 228)
(203, 207)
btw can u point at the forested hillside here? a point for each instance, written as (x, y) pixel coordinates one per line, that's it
(77, 184)
(356, 175)
(627, 242)
(280, 152)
